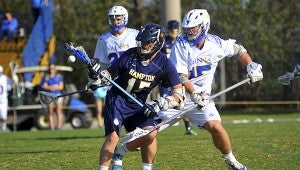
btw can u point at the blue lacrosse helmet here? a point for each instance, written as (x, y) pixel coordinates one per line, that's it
(172, 24)
(153, 34)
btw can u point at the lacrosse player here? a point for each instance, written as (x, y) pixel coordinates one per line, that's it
(196, 54)
(173, 31)
(5, 86)
(138, 71)
(110, 46)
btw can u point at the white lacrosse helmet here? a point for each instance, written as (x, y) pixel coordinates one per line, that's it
(194, 18)
(117, 11)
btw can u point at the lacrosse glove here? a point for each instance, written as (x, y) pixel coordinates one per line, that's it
(94, 69)
(151, 109)
(297, 71)
(94, 80)
(254, 72)
(200, 100)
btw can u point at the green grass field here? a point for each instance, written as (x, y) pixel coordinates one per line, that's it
(262, 145)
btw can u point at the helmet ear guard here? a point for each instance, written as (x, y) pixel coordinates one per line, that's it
(153, 34)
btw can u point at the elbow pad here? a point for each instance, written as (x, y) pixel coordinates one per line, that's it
(238, 50)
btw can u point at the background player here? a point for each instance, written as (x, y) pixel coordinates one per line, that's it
(5, 86)
(111, 45)
(173, 31)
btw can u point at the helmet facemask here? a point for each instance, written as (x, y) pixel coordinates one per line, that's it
(150, 40)
(192, 33)
(147, 49)
(116, 22)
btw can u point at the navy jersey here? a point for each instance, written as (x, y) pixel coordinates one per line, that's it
(138, 79)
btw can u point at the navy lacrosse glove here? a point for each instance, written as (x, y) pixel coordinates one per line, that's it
(94, 69)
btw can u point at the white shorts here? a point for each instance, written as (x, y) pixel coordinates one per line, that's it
(198, 118)
(3, 111)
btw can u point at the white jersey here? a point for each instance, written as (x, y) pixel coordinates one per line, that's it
(109, 47)
(200, 65)
(5, 86)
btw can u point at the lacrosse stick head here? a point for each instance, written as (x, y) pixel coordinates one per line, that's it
(286, 78)
(47, 98)
(78, 52)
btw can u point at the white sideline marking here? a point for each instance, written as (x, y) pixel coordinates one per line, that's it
(259, 120)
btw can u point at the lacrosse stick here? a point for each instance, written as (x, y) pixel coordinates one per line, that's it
(138, 132)
(288, 77)
(80, 53)
(47, 98)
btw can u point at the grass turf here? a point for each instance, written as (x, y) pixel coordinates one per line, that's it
(262, 145)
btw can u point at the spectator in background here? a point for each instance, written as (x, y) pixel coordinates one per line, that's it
(9, 27)
(110, 46)
(36, 7)
(172, 33)
(5, 86)
(54, 83)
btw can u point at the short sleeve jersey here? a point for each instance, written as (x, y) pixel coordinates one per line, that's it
(200, 64)
(109, 47)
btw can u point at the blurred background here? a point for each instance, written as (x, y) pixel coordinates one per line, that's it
(269, 30)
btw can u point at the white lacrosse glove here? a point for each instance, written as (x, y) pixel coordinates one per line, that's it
(151, 109)
(254, 72)
(163, 103)
(200, 99)
(169, 102)
(297, 71)
(93, 84)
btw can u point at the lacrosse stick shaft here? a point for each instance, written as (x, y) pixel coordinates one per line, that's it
(120, 88)
(230, 88)
(71, 93)
(82, 56)
(175, 118)
(75, 92)
(179, 115)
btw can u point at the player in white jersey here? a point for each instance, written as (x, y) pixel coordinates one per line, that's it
(5, 86)
(196, 55)
(110, 46)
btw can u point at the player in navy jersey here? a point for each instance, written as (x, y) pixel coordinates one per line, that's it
(137, 71)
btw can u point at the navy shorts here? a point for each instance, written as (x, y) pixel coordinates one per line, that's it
(119, 112)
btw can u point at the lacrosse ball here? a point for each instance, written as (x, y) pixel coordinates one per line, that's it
(71, 58)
